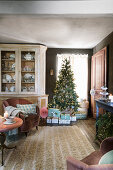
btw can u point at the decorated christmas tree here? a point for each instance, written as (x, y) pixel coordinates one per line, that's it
(65, 96)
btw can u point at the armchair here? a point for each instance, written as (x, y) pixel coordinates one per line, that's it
(92, 160)
(32, 120)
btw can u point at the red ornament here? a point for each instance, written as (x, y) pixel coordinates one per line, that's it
(43, 112)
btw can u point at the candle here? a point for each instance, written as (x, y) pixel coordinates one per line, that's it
(6, 114)
(111, 97)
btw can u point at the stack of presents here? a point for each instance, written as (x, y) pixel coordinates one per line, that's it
(55, 116)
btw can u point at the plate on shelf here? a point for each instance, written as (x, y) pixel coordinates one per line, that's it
(8, 77)
(9, 123)
(28, 76)
(12, 88)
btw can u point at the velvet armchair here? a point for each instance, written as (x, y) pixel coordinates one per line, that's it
(32, 120)
(91, 161)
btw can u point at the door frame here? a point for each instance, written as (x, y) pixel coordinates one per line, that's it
(93, 74)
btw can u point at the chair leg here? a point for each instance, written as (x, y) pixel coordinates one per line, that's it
(26, 134)
(2, 156)
(36, 127)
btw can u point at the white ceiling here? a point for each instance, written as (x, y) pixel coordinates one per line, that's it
(56, 24)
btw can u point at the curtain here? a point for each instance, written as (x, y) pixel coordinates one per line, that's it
(79, 65)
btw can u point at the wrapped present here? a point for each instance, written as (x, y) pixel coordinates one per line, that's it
(52, 112)
(67, 111)
(82, 110)
(84, 104)
(49, 120)
(81, 115)
(61, 121)
(73, 118)
(55, 120)
(65, 116)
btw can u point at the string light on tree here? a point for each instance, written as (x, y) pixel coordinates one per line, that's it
(65, 95)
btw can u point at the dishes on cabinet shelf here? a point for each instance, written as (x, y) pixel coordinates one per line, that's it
(6, 78)
(28, 89)
(6, 89)
(12, 88)
(28, 57)
(29, 77)
(24, 89)
(12, 56)
(27, 68)
(31, 88)
(13, 67)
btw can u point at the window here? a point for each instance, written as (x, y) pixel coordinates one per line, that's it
(79, 65)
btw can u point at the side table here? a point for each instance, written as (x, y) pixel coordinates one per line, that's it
(6, 127)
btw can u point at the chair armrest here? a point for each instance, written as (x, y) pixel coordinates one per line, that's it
(100, 167)
(73, 164)
(5, 104)
(106, 145)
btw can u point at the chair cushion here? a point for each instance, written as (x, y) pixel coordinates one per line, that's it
(107, 158)
(27, 108)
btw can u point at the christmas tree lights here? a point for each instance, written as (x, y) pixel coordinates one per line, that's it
(65, 96)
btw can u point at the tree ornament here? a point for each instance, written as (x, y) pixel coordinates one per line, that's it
(64, 93)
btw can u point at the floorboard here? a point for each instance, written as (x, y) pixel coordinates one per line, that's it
(89, 130)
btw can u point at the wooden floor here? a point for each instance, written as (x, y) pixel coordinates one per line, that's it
(89, 130)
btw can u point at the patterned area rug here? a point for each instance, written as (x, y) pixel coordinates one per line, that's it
(47, 149)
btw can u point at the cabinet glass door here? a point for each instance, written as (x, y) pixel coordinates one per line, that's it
(8, 76)
(27, 71)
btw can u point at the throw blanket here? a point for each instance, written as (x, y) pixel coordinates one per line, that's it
(12, 111)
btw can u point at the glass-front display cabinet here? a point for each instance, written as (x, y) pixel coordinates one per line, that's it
(22, 69)
(8, 71)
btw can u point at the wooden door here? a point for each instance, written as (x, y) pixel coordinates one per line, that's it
(98, 76)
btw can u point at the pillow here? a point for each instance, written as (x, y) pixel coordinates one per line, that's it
(107, 158)
(27, 108)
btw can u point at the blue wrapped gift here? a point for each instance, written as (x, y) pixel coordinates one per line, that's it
(52, 112)
(65, 116)
(81, 116)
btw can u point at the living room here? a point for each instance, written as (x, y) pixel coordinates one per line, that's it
(34, 38)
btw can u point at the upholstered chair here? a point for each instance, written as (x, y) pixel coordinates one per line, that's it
(30, 121)
(91, 161)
